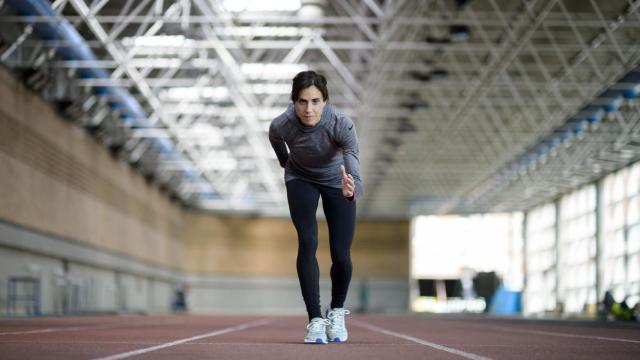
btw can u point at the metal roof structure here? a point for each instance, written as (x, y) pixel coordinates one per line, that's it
(461, 106)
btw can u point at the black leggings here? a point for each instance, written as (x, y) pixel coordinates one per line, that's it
(341, 218)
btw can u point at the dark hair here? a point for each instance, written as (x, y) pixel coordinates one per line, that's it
(307, 79)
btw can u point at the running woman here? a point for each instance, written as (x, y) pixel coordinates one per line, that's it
(322, 160)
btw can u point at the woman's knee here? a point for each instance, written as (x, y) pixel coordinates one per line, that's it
(342, 261)
(307, 246)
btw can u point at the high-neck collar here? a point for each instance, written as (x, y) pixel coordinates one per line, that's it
(327, 112)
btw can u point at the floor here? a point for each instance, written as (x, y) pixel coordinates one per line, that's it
(280, 337)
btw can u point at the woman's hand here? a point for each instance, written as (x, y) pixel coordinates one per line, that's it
(348, 185)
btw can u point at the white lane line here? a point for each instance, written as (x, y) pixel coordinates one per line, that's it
(48, 330)
(421, 342)
(182, 341)
(551, 333)
(30, 331)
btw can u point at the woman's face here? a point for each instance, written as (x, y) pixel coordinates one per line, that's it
(309, 106)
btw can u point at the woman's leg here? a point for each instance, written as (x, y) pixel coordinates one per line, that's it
(303, 204)
(341, 219)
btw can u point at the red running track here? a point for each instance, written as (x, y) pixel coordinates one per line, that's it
(271, 337)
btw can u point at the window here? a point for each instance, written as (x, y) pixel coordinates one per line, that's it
(577, 250)
(540, 252)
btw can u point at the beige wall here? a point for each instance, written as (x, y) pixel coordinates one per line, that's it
(262, 246)
(242, 246)
(381, 248)
(56, 179)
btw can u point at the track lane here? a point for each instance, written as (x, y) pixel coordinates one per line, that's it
(402, 337)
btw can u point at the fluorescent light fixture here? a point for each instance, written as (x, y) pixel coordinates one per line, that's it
(195, 108)
(205, 63)
(189, 108)
(218, 160)
(271, 71)
(265, 31)
(156, 63)
(261, 5)
(159, 45)
(218, 93)
(203, 134)
(155, 41)
(150, 133)
(269, 89)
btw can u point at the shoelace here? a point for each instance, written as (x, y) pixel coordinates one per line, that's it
(337, 317)
(316, 324)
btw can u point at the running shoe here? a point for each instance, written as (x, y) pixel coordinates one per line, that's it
(316, 331)
(337, 331)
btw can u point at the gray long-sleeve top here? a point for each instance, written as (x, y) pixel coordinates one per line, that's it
(316, 152)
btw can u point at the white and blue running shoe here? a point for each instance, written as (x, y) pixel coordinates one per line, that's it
(316, 331)
(337, 331)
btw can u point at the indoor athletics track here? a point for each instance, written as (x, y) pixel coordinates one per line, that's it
(271, 337)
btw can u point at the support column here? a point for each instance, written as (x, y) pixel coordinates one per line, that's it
(599, 239)
(557, 228)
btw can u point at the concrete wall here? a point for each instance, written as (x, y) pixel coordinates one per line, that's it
(24, 264)
(77, 277)
(100, 239)
(281, 295)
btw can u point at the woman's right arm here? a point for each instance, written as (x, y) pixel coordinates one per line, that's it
(278, 145)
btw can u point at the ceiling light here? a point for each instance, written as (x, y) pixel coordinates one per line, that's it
(268, 88)
(159, 40)
(219, 93)
(203, 135)
(271, 71)
(155, 63)
(264, 31)
(261, 5)
(218, 160)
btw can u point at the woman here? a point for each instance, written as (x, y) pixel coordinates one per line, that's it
(322, 161)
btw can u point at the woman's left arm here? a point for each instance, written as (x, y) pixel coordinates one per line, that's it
(348, 141)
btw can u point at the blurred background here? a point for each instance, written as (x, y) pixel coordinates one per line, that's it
(498, 148)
